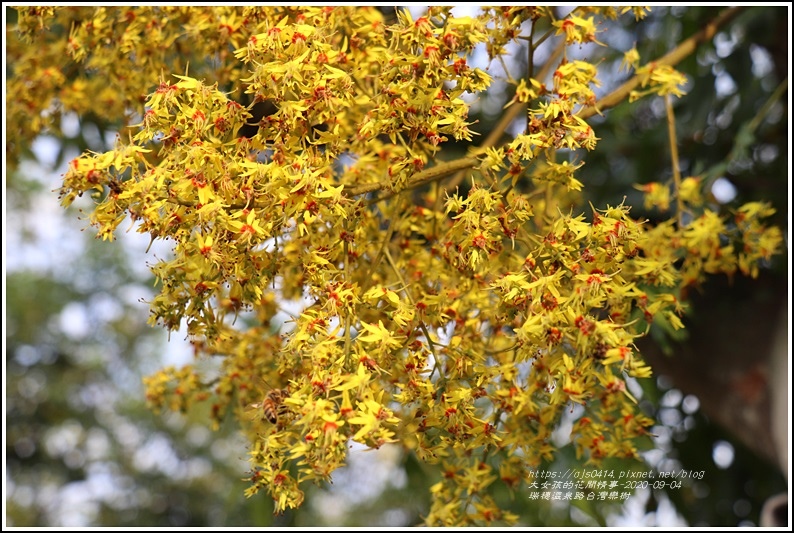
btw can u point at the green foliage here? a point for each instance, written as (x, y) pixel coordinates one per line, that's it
(461, 323)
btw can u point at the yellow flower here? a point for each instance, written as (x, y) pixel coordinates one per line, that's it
(577, 30)
(630, 59)
(248, 229)
(656, 195)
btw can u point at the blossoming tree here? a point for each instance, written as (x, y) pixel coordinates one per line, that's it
(456, 306)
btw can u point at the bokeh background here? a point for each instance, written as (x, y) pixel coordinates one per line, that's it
(82, 449)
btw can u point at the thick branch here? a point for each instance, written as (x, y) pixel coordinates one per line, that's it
(426, 176)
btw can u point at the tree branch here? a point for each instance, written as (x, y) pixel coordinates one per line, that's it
(420, 178)
(668, 104)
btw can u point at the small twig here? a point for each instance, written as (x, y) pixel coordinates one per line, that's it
(668, 104)
(773, 98)
(530, 62)
(744, 137)
(348, 314)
